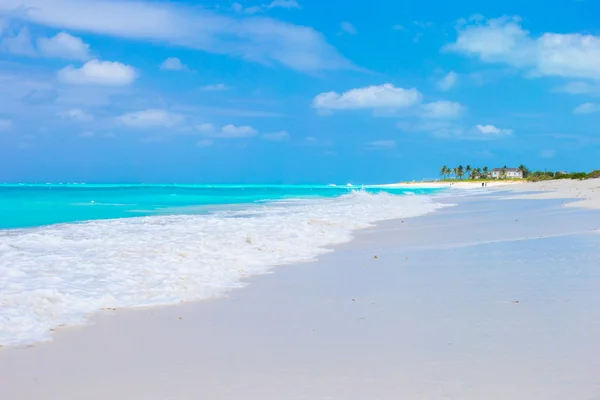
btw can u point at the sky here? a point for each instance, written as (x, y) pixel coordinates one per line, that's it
(294, 91)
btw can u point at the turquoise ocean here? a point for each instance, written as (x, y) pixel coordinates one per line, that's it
(29, 205)
(68, 251)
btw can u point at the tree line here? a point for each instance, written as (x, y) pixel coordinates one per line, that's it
(484, 173)
(477, 173)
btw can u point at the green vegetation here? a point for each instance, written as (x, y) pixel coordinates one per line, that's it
(483, 174)
(549, 175)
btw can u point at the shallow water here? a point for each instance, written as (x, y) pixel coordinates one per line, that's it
(194, 243)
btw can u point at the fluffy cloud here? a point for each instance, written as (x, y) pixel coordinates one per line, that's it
(19, 45)
(97, 72)
(448, 81)
(62, 45)
(371, 97)
(227, 132)
(76, 115)
(215, 88)
(263, 40)
(587, 108)
(446, 129)
(173, 64)
(348, 28)
(232, 131)
(276, 136)
(503, 40)
(65, 46)
(491, 130)
(442, 110)
(5, 124)
(152, 118)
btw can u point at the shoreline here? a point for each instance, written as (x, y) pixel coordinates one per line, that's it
(456, 302)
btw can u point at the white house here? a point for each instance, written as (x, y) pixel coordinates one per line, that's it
(509, 173)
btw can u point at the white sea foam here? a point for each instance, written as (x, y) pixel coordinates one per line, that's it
(58, 275)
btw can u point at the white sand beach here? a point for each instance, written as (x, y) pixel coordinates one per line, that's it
(495, 298)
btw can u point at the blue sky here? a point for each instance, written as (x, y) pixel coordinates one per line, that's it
(284, 91)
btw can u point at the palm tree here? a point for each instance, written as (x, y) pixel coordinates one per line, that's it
(455, 171)
(523, 170)
(475, 173)
(485, 171)
(468, 170)
(444, 171)
(460, 171)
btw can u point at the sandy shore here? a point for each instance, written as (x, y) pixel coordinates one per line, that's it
(464, 184)
(586, 193)
(491, 299)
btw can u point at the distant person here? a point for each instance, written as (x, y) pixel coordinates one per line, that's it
(482, 184)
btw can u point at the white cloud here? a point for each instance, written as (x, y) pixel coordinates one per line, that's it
(264, 40)
(215, 88)
(87, 135)
(152, 118)
(97, 72)
(441, 110)
(206, 128)
(578, 87)
(382, 144)
(502, 40)
(19, 45)
(173, 64)
(547, 153)
(232, 131)
(204, 143)
(5, 124)
(446, 129)
(76, 114)
(491, 130)
(283, 4)
(587, 108)
(64, 45)
(448, 81)
(371, 97)
(226, 132)
(348, 28)
(276, 136)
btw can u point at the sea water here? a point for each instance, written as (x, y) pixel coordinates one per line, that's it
(67, 251)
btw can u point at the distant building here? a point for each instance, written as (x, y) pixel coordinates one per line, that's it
(509, 173)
